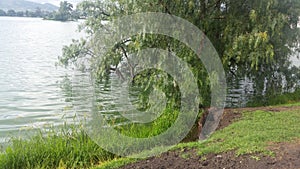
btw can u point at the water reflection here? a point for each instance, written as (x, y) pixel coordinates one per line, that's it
(30, 93)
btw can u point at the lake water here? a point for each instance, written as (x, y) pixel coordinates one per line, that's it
(33, 91)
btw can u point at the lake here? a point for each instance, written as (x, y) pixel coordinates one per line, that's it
(33, 91)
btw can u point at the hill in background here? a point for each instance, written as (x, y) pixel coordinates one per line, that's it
(23, 5)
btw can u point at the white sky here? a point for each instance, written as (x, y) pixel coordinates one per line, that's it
(55, 2)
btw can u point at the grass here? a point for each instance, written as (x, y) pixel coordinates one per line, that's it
(72, 148)
(252, 134)
(116, 163)
(146, 130)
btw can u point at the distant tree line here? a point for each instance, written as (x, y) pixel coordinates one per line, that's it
(37, 13)
(64, 13)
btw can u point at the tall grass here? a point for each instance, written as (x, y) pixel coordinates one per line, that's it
(140, 130)
(70, 147)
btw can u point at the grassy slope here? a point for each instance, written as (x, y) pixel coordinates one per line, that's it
(249, 135)
(71, 147)
(74, 149)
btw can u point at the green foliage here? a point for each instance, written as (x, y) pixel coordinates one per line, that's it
(36, 13)
(154, 128)
(11, 12)
(64, 13)
(72, 148)
(254, 39)
(2, 12)
(285, 98)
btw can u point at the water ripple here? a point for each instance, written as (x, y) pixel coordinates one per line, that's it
(30, 85)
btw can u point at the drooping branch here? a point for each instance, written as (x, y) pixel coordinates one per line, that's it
(118, 72)
(128, 61)
(91, 53)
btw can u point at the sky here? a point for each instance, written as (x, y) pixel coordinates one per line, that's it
(55, 2)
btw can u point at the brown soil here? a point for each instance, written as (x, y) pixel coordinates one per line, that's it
(287, 157)
(287, 154)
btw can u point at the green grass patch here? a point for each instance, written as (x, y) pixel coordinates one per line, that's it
(116, 163)
(71, 148)
(146, 130)
(252, 134)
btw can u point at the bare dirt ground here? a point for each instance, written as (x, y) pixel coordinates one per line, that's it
(287, 154)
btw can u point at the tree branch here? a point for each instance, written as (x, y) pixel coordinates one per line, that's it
(128, 60)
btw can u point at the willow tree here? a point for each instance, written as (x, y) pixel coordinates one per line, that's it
(254, 39)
